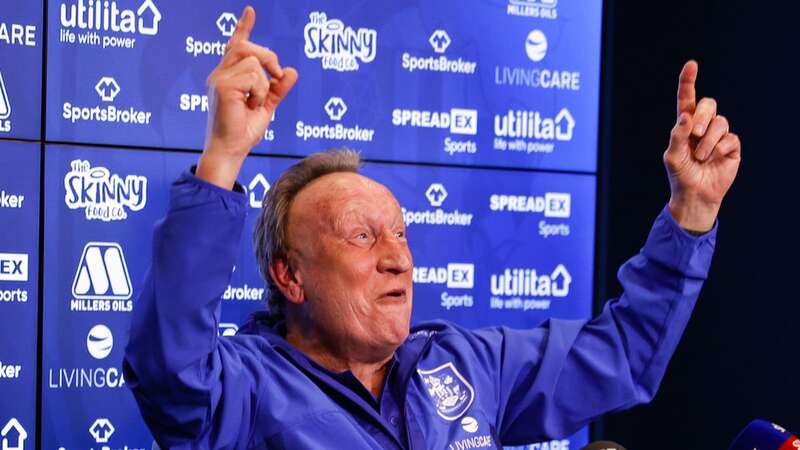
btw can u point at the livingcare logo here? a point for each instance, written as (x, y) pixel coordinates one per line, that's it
(339, 47)
(102, 195)
(100, 23)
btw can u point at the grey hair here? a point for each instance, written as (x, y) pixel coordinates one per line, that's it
(269, 236)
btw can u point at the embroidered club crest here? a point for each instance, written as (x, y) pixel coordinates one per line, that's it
(451, 393)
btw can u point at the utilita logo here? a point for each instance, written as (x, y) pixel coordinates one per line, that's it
(339, 47)
(14, 435)
(5, 107)
(102, 282)
(105, 24)
(257, 189)
(527, 289)
(102, 195)
(532, 131)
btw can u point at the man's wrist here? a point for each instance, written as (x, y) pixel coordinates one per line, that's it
(695, 217)
(219, 169)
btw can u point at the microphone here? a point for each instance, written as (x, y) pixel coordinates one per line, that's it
(764, 435)
(603, 445)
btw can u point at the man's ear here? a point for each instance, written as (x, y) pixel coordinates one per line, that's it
(289, 282)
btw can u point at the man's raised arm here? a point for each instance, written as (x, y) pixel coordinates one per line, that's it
(182, 375)
(574, 371)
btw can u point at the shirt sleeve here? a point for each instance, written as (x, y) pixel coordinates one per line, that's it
(558, 377)
(194, 390)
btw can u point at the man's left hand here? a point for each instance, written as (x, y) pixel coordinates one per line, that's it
(702, 159)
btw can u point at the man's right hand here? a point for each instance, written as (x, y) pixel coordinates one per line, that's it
(242, 101)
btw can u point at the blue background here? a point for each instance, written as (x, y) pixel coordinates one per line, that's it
(155, 74)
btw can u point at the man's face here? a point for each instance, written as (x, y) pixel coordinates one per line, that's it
(349, 251)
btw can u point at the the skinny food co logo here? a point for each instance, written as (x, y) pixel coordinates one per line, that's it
(337, 46)
(101, 194)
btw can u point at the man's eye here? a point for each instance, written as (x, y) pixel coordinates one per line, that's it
(362, 236)
(400, 234)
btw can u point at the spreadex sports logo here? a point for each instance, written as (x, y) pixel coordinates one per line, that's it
(102, 23)
(440, 40)
(198, 103)
(107, 90)
(5, 107)
(436, 194)
(102, 282)
(537, 77)
(225, 24)
(335, 108)
(457, 121)
(99, 345)
(554, 205)
(544, 9)
(454, 276)
(14, 268)
(531, 131)
(103, 196)
(527, 289)
(337, 46)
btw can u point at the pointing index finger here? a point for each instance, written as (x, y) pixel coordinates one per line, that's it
(686, 90)
(244, 26)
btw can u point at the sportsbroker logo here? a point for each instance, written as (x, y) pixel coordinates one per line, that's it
(335, 108)
(5, 107)
(440, 41)
(197, 46)
(101, 430)
(101, 194)
(107, 89)
(436, 194)
(13, 435)
(102, 282)
(105, 24)
(337, 46)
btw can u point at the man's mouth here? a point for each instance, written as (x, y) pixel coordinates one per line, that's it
(394, 295)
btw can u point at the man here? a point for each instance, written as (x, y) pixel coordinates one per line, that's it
(340, 368)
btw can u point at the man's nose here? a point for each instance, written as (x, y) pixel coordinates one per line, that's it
(395, 256)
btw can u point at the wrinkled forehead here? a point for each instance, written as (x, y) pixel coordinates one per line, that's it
(332, 198)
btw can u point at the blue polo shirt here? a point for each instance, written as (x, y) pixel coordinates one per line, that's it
(446, 387)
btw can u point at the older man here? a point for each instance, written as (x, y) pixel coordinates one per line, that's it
(334, 365)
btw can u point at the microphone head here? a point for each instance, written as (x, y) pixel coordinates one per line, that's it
(603, 445)
(764, 435)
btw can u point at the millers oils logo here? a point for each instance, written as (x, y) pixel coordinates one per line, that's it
(102, 282)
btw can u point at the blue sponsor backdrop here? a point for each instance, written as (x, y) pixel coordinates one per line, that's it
(19, 296)
(21, 39)
(421, 81)
(490, 84)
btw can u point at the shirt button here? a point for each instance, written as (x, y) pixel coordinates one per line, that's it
(393, 420)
